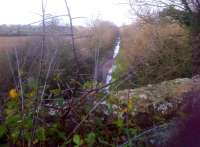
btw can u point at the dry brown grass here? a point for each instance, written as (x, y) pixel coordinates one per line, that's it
(13, 41)
(155, 52)
(145, 40)
(101, 34)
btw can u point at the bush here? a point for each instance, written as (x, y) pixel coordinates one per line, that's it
(155, 52)
(101, 35)
(43, 106)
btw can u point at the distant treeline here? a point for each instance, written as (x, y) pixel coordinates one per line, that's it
(32, 30)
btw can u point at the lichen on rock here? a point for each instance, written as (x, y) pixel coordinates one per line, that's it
(160, 101)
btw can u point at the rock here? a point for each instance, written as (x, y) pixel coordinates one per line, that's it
(159, 100)
(160, 111)
(143, 120)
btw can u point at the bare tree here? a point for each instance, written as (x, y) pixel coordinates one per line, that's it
(187, 5)
(147, 9)
(77, 67)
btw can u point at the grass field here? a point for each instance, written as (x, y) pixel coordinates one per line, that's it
(12, 41)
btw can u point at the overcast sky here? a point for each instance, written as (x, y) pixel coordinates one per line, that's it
(27, 11)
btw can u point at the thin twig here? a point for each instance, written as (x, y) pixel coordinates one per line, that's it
(11, 68)
(73, 47)
(92, 110)
(21, 91)
(20, 81)
(37, 107)
(145, 132)
(46, 79)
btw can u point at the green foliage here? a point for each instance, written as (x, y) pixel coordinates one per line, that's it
(119, 123)
(15, 134)
(77, 140)
(182, 16)
(90, 139)
(55, 132)
(121, 65)
(154, 53)
(2, 130)
(88, 85)
(40, 133)
(99, 128)
(13, 120)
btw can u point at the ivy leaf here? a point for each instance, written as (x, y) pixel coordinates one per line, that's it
(130, 105)
(61, 135)
(119, 123)
(77, 140)
(11, 105)
(15, 134)
(41, 134)
(90, 139)
(130, 131)
(28, 122)
(2, 130)
(13, 120)
(27, 135)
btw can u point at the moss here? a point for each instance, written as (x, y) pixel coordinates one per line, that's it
(156, 95)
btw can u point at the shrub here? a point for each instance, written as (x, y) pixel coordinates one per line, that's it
(155, 52)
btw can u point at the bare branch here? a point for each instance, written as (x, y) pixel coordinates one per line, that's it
(93, 109)
(47, 18)
(73, 46)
